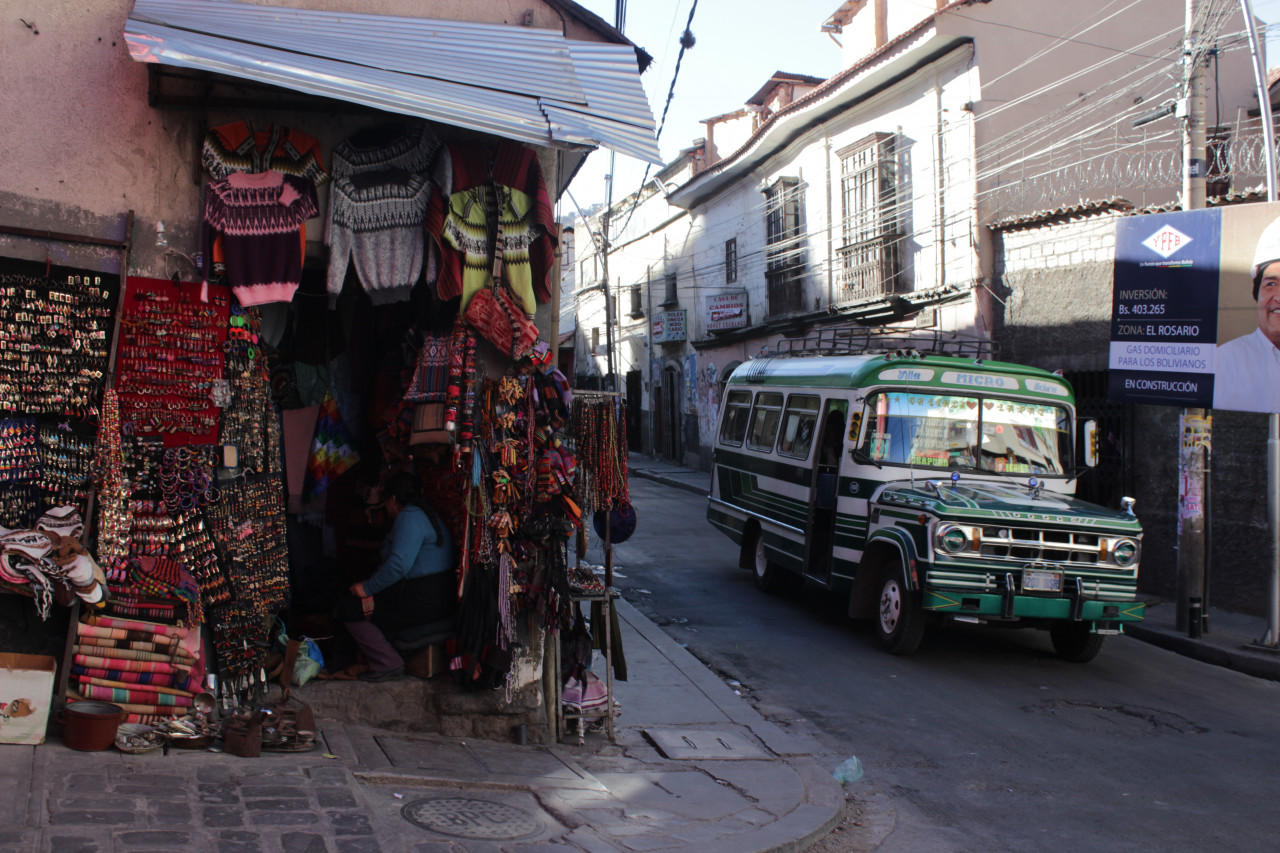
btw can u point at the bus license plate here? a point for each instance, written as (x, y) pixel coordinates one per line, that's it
(1036, 580)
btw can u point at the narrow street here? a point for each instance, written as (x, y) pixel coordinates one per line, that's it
(983, 740)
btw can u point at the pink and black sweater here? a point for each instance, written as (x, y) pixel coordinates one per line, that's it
(256, 224)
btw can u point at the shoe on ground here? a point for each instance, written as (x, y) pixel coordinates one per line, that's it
(382, 675)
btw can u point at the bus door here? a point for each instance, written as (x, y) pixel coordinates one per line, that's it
(823, 492)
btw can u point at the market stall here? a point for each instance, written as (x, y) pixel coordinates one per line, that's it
(199, 455)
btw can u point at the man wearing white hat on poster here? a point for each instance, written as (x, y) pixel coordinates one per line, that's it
(1247, 369)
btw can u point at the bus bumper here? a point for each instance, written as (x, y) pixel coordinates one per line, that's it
(1071, 607)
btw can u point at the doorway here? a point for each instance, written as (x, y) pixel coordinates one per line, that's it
(669, 415)
(824, 492)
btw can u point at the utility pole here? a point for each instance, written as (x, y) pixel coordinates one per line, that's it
(1195, 425)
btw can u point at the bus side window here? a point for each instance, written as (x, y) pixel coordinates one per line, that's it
(736, 414)
(764, 421)
(798, 425)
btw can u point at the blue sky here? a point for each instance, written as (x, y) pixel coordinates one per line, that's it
(740, 43)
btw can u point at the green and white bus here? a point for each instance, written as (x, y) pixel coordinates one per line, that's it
(924, 488)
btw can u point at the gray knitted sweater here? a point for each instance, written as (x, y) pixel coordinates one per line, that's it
(378, 220)
(383, 181)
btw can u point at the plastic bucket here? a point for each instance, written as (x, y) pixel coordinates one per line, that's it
(90, 726)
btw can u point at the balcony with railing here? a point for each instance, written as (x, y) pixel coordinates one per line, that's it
(868, 269)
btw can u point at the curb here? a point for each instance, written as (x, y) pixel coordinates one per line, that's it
(1256, 664)
(670, 481)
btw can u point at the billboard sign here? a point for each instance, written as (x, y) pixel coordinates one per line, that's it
(1186, 329)
(668, 326)
(727, 311)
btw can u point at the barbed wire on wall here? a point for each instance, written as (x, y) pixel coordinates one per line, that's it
(1239, 163)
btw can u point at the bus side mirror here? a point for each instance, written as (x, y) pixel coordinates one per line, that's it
(1089, 443)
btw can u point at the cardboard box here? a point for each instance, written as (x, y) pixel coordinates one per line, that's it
(26, 690)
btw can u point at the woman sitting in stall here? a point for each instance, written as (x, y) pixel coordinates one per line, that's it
(414, 585)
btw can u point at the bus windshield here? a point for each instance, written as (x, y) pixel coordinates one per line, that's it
(967, 432)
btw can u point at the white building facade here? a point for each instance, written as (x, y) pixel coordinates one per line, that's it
(868, 198)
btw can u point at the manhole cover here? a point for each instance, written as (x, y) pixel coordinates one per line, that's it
(464, 817)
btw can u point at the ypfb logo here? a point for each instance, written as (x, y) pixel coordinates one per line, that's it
(1166, 241)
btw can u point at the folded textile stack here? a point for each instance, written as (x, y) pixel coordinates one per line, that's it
(153, 588)
(152, 671)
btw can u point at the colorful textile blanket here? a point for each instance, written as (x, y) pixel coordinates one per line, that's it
(105, 646)
(120, 664)
(154, 701)
(145, 711)
(333, 451)
(110, 677)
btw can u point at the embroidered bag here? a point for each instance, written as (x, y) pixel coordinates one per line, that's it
(430, 382)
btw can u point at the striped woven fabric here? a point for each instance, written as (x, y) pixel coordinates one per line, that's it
(113, 677)
(150, 698)
(146, 712)
(133, 650)
(132, 625)
(122, 664)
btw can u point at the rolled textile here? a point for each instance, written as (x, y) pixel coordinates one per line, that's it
(87, 630)
(155, 712)
(122, 664)
(138, 655)
(112, 677)
(173, 653)
(147, 719)
(124, 685)
(131, 625)
(120, 695)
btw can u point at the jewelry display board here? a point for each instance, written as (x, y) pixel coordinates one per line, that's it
(169, 358)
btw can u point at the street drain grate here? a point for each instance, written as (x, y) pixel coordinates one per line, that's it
(464, 817)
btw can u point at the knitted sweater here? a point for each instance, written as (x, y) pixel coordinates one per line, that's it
(377, 218)
(237, 147)
(259, 221)
(413, 149)
(515, 167)
(466, 231)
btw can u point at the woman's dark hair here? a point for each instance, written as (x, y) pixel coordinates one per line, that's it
(403, 486)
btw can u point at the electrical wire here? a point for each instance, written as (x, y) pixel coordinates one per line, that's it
(1107, 163)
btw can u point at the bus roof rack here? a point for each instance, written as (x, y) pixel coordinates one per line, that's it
(861, 340)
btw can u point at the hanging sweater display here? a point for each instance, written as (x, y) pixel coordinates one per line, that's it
(529, 239)
(237, 147)
(258, 222)
(413, 148)
(386, 177)
(467, 231)
(377, 221)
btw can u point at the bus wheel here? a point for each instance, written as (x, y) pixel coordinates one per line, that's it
(899, 619)
(1073, 641)
(767, 575)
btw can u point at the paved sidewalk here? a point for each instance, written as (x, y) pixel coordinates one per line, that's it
(1231, 639)
(695, 767)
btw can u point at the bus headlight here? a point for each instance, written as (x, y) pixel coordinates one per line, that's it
(1124, 552)
(953, 539)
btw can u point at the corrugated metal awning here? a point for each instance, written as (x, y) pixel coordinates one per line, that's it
(520, 83)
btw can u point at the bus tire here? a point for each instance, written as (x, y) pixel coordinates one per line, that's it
(899, 619)
(766, 573)
(1074, 642)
